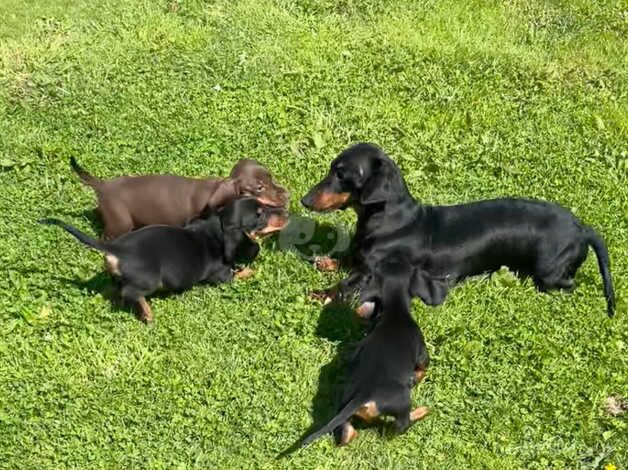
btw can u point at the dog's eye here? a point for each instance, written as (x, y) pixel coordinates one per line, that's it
(340, 174)
(260, 188)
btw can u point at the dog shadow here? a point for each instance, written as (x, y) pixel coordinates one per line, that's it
(92, 215)
(337, 322)
(105, 285)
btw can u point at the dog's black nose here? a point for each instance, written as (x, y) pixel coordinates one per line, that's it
(307, 200)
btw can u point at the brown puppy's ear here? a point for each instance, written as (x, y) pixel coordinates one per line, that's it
(430, 290)
(226, 191)
(377, 188)
(241, 166)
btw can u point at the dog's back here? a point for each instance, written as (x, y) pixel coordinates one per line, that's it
(389, 351)
(383, 367)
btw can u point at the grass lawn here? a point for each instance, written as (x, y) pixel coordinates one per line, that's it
(471, 99)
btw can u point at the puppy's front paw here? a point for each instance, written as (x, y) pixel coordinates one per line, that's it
(419, 413)
(145, 313)
(325, 263)
(325, 296)
(244, 273)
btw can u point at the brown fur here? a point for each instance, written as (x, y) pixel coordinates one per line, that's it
(326, 201)
(129, 202)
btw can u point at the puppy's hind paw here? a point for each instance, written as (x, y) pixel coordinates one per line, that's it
(346, 435)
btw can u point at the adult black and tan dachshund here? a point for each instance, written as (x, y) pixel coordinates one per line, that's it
(449, 243)
(175, 258)
(387, 363)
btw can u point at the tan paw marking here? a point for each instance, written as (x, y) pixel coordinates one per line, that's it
(244, 273)
(325, 263)
(419, 413)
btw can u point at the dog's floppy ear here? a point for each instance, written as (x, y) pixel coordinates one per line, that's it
(377, 188)
(430, 290)
(238, 247)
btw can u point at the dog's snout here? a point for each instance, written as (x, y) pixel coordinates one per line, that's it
(308, 200)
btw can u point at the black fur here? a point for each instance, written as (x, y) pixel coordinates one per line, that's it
(385, 364)
(175, 258)
(449, 243)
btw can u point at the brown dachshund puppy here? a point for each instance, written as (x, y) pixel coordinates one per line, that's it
(129, 202)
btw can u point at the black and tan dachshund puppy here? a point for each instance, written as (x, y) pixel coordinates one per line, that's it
(449, 243)
(175, 258)
(387, 363)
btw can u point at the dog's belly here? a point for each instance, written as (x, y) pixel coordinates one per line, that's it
(470, 259)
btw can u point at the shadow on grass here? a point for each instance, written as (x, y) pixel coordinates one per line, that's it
(109, 288)
(90, 214)
(337, 322)
(103, 284)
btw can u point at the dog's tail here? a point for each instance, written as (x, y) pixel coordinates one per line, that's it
(87, 178)
(604, 263)
(83, 238)
(343, 415)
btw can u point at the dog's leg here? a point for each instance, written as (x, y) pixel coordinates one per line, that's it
(402, 422)
(555, 271)
(419, 374)
(137, 297)
(368, 412)
(406, 418)
(397, 405)
(116, 219)
(146, 314)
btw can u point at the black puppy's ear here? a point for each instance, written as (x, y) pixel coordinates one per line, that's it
(430, 290)
(238, 247)
(377, 188)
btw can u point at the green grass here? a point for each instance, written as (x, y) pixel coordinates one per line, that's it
(472, 99)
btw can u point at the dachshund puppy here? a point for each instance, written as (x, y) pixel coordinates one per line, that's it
(176, 258)
(129, 202)
(387, 363)
(449, 243)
